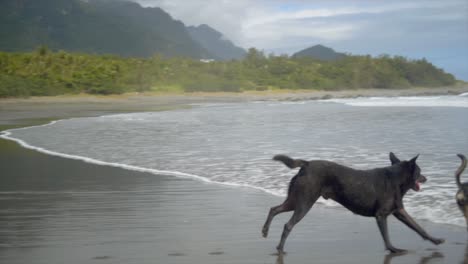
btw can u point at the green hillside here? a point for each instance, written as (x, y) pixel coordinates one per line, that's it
(51, 73)
(95, 26)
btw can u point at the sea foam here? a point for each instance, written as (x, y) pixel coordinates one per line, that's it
(7, 134)
(404, 101)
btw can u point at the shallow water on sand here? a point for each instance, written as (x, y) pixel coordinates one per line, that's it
(233, 143)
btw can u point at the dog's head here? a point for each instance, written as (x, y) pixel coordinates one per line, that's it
(411, 172)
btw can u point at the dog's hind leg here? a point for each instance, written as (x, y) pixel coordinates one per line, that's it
(286, 206)
(299, 212)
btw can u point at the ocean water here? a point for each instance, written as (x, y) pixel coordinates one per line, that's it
(233, 143)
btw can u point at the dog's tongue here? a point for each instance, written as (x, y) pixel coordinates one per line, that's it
(417, 186)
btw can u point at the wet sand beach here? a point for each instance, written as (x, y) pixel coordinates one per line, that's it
(57, 210)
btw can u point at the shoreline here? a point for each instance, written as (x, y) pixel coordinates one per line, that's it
(237, 213)
(18, 111)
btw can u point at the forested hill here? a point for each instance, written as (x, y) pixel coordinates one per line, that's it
(94, 26)
(319, 52)
(216, 43)
(43, 72)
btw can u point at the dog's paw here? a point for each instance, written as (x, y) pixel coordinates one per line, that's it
(265, 232)
(397, 251)
(280, 251)
(437, 241)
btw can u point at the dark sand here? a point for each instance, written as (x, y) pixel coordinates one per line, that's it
(57, 210)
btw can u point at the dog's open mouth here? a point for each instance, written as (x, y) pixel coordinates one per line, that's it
(417, 186)
(417, 183)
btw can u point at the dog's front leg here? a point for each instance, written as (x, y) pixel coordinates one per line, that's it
(404, 217)
(382, 223)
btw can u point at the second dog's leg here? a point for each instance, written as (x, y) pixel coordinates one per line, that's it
(284, 207)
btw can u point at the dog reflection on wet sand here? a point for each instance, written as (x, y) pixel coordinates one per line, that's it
(424, 260)
(388, 258)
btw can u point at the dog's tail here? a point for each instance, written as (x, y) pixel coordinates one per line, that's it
(460, 169)
(291, 163)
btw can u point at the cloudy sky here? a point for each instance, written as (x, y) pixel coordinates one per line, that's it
(434, 29)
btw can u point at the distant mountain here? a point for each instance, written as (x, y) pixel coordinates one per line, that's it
(94, 26)
(215, 43)
(319, 52)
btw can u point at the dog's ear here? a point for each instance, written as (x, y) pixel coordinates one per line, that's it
(413, 160)
(393, 158)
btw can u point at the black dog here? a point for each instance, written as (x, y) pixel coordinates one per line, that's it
(373, 193)
(462, 194)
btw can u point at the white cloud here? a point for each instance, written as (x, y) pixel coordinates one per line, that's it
(439, 28)
(254, 23)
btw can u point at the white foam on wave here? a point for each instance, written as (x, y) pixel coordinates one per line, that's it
(463, 94)
(404, 101)
(8, 135)
(436, 214)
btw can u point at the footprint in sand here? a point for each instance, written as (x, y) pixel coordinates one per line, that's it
(214, 253)
(102, 257)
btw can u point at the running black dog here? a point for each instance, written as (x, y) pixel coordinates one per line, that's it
(462, 194)
(373, 193)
